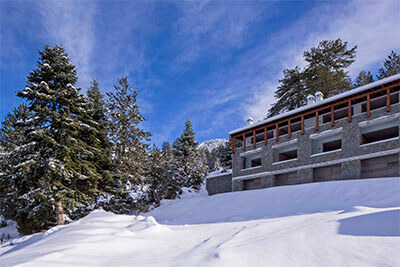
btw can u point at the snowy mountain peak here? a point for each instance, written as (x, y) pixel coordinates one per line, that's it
(212, 144)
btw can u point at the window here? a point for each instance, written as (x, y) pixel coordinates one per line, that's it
(283, 153)
(379, 132)
(321, 144)
(251, 161)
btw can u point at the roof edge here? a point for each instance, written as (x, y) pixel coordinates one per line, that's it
(325, 101)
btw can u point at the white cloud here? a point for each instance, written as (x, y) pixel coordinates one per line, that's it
(71, 24)
(372, 26)
(207, 27)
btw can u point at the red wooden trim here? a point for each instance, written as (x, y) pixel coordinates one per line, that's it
(332, 115)
(265, 136)
(276, 132)
(254, 139)
(316, 121)
(368, 105)
(344, 100)
(289, 130)
(349, 115)
(244, 142)
(388, 100)
(302, 124)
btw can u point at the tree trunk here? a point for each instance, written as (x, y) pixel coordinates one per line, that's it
(59, 213)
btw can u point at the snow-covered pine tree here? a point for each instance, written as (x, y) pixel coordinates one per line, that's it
(391, 66)
(127, 138)
(363, 78)
(96, 117)
(190, 163)
(224, 153)
(54, 170)
(156, 175)
(170, 172)
(12, 135)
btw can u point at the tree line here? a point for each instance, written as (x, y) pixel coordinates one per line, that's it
(64, 154)
(325, 71)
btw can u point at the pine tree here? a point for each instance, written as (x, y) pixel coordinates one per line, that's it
(99, 142)
(12, 131)
(326, 64)
(54, 171)
(128, 139)
(363, 78)
(391, 66)
(225, 155)
(12, 135)
(156, 175)
(190, 164)
(324, 72)
(186, 143)
(173, 184)
(291, 93)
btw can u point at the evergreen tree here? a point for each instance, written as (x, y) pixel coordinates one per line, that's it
(53, 171)
(12, 128)
(96, 117)
(128, 139)
(324, 72)
(185, 145)
(12, 135)
(291, 93)
(156, 175)
(391, 66)
(363, 78)
(225, 155)
(173, 184)
(326, 64)
(191, 168)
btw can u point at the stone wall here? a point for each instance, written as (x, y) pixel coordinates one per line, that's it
(219, 184)
(348, 159)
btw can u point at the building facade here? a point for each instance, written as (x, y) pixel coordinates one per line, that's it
(353, 135)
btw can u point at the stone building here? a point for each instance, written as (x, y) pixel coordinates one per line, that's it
(353, 135)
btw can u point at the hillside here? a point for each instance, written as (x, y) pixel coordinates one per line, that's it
(210, 145)
(342, 223)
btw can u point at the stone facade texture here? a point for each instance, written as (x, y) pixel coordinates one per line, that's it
(306, 164)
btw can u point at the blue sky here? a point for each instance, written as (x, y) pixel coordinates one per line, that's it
(215, 62)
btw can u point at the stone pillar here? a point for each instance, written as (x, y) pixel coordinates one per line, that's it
(237, 185)
(351, 169)
(305, 176)
(267, 181)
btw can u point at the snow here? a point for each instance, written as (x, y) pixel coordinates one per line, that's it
(210, 145)
(341, 223)
(218, 172)
(10, 231)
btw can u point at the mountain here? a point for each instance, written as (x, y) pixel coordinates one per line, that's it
(212, 144)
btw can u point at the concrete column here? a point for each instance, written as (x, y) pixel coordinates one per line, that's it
(351, 169)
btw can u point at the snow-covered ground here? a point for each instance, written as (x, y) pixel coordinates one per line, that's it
(343, 223)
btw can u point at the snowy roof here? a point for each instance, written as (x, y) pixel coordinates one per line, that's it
(325, 101)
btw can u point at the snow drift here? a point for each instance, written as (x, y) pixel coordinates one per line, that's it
(337, 223)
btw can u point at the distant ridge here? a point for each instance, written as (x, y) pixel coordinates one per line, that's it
(212, 144)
